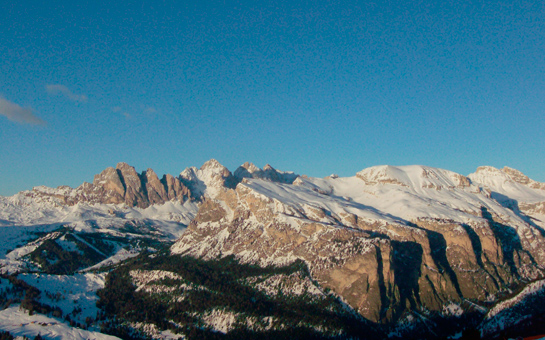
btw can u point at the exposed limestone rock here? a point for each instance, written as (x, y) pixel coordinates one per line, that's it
(249, 170)
(521, 178)
(121, 185)
(135, 194)
(175, 190)
(381, 242)
(110, 181)
(532, 208)
(154, 188)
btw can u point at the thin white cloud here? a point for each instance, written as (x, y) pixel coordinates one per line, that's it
(65, 91)
(19, 114)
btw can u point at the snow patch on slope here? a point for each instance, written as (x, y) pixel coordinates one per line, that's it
(502, 183)
(19, 323)
(78, 290)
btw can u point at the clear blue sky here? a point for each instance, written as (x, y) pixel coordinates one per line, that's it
(316, 87)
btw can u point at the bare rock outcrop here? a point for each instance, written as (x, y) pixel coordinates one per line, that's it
(521, 178)
(175, 190)
(119, 185)
(249, 170)
(135, 194)
(154, 188)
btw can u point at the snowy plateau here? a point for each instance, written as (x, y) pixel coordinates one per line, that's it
(400, 252)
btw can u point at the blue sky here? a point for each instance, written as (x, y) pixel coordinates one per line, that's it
(316, 87)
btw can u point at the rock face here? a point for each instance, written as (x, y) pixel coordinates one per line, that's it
(135, 194)
(155, 189)
(389, 240)
(521, 178)
(175, 190)
(249, 170)
(113, 190)
(122, 184)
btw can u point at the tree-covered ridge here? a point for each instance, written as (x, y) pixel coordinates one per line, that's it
(65, 251)
(197, 288)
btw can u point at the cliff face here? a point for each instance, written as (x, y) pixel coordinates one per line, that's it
(121, 184)
(388, 240)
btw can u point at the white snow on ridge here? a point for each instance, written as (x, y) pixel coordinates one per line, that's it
(206, 181)
(78, 290)
(19, 323)
(407, 196)
(500, 182)
(122, 255)
(303, 197)
(24, 209)
(532, 288)
(24, 217)
(509, 313)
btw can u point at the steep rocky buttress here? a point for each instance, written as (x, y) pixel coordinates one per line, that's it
(121, 184)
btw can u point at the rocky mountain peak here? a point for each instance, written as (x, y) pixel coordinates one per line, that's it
(249, 170)
(516, 175)
(421, 237)
(489, 170)
(212, 165)
(135, 194)
(156, 191)
(122, 166)
(490, 176)
(521, 178)
(210, 179)
(382, 174)
(250, 167)
(150, 173)
(110, 181)
(123, 184)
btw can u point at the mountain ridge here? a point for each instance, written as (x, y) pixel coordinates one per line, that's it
(389, 243)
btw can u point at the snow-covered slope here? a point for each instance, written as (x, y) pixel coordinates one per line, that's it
(509, 184)
(25, 220)
(32, 208)
(360, 234)
(209, 180)
(389, 193)
(19, 323)
(514, 311)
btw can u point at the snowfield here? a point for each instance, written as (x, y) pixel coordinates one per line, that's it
(19, 323)
(76, 291)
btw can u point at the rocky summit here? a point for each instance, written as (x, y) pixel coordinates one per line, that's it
(407, 251)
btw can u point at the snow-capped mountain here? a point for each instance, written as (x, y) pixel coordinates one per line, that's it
(391, 243)
(385, 239)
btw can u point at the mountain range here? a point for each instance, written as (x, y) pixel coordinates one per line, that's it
(393, 251)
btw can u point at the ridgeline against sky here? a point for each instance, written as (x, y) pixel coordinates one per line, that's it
(307, 86)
